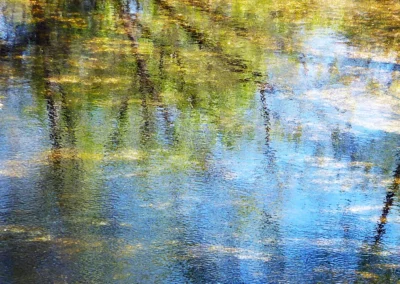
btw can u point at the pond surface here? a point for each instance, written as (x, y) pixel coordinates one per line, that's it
(195, 141)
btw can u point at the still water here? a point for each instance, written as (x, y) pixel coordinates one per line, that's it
(196, 141)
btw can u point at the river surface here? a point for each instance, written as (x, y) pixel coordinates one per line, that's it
(196, 141)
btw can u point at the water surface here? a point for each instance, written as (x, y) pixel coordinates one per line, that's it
(166, 141)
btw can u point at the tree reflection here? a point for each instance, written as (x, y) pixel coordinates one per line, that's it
(145, 108)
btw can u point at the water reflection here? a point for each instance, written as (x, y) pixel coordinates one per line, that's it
(194, 141)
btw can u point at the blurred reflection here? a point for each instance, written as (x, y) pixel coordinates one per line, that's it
(196, 141)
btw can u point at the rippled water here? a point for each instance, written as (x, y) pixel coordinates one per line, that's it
(166, 141)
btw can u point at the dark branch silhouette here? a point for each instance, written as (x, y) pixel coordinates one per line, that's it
(388, 203)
